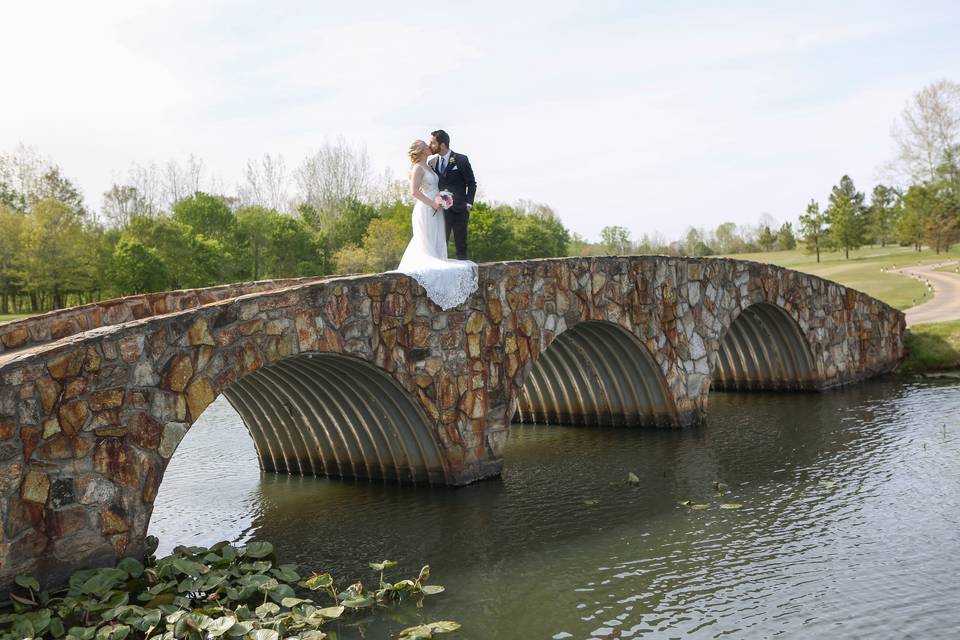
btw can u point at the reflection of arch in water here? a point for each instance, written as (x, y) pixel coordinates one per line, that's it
(764, 349)
(596, 373)
(334, 415)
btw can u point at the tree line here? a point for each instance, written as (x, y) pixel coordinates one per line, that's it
(170, 227)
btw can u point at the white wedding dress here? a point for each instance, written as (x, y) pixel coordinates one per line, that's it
(447, 282)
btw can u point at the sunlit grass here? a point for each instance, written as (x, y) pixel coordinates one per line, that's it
(863, 270)
(933, 347)
(13, 316)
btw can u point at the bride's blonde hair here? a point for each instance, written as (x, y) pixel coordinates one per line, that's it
(416, 150)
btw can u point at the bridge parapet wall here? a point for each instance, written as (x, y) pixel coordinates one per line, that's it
(36, 330)
(89, 422)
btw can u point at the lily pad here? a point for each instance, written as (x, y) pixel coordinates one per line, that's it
(731, 505)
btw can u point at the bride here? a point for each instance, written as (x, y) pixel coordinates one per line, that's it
(447, 282)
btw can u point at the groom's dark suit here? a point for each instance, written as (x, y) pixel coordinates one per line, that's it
(457, 178)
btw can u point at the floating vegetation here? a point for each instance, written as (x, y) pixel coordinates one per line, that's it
(426, 631)
(731, 505)
(826, 484)
(198, 593)
(590, 502)
(632, 478)
(693, 505)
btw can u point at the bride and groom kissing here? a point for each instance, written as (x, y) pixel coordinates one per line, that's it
(443, 187)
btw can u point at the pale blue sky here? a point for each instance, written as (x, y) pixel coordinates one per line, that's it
(654, 116)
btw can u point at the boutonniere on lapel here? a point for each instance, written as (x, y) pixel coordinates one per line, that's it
(453, 160)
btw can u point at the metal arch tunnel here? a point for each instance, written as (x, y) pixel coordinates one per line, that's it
(596, 373)
(764, 349)
(336, 416)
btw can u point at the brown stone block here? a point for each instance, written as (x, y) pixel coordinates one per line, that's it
(114, 520)
(473, 345)
(178, 373)
(65, 447)
(251, 327)
(117, 461)
(449, 394)
(131, 347)
(8, 428)
(422, 380)
(30, 437)
(474, 323)
(306, 331)
(199, 333)
(66, 365)
(494, 310)
(74, 388)
(15, 338)
(51, 427)
(65, 522)
(144, 431)
(151, 485)
(428, 405)
(91, 360)
(107, 399)
(199, 396)
(73, 415)
(35, 487)
(108, 418)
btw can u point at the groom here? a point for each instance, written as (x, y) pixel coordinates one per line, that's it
(456, 176)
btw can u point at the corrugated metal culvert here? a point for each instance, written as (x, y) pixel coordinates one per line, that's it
(338, 416)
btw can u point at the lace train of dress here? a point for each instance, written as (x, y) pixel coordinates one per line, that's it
(447, 282)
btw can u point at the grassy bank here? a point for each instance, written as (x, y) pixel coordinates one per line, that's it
(932, 347)
(13, 316)
(863, 270)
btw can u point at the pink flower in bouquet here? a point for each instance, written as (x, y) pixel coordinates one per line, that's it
(446, 199)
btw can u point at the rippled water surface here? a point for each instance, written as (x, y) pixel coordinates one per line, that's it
(848, 529)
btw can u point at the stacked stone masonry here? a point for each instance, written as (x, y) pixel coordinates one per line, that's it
(88, 422)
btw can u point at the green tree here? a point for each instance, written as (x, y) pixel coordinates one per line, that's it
(813, 227)
(254, 225)
(539, 233)
(615, 240)
(11, 222)
(135, 268)
(491, 233)
(883, 212)
(786, 240)
(910, 226)
(767, 238)
(845, 214)
(53, 252)
(207, 215)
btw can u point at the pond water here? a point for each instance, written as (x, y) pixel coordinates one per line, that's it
(848, 526)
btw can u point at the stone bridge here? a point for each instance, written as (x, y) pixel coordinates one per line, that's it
(363, 377)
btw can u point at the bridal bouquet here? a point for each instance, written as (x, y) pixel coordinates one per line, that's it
(446, 199)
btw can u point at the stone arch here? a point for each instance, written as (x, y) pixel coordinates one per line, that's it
(596, 373)
(764, 348)
(336, 415)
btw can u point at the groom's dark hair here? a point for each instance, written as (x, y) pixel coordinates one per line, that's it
(442, 137)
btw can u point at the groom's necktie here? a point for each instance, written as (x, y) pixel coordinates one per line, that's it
(443, 165)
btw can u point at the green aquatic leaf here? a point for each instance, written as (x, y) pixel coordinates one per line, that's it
(27, 582)
(424, 573)
(267, 609)
(219, 626)
(258, 549)
(632, 478)
(731, 505)
(320, 581)
(591, 502)
(826, 484)
(358, 602)
(263, 634)
(381, 566)
(290, 602)
(330, 612)
(132, 567)
(426, 631)
(432, 589)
